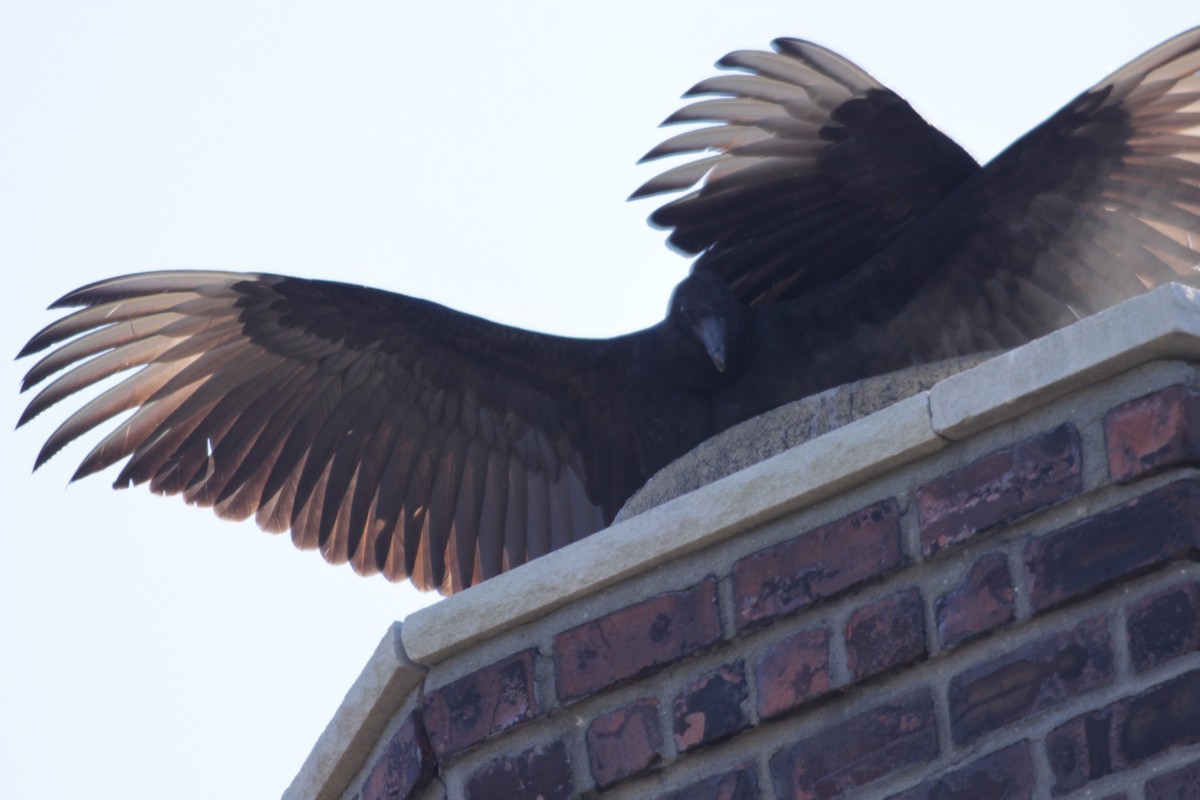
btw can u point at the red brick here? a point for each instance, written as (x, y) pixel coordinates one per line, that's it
(857, 751)
(1164, 625)
(710, 708)
(1125, 733)
(1000, 488)
(1181, 784)
(886, 634)
(624, 742)
(790, 575)
(539, 773)
(1004, 775)
(740, 784)
(984, 601)
(1153, 433)
(1031, 678)
(1146, 532)
(405, 767)
(636, 640)
(481, 704)
(792, 672)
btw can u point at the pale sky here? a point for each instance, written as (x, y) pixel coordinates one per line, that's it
(477, 154)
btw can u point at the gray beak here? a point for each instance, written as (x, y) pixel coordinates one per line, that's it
(711, 333)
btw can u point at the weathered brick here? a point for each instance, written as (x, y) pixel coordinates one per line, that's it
(1143, 533)
(624, 742)
(982, 602)
(1080, 751)
(790, 575)
(710, 708)
(483, 703)
(792, 672)
(1031, 678)
(539, 773)
(859, 750)
(1181, 784)
(1004, 775)
(740, 784)
(886, 634)
(405, 767)
(1000, 488)
(1153, 433)
(1125, 733)
(636, 640)
(1164, 625)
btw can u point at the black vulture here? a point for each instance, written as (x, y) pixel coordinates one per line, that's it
(838, 236)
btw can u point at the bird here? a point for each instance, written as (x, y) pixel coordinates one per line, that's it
(836, 235)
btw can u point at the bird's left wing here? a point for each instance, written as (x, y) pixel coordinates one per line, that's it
(387, 431)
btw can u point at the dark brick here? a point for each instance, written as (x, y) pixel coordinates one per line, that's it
(981, 603)
(1004, 775)
(1000, 488)
(1126, 733)
(1153, 433)
(790, 575)
(710, 708)
(624, 742)
(539, 773)
(1164, 625)
(740, 784)
(859, 750)
(405, 767)
(792, 672)
(1182, 784)
(886, 634)
(1144, 533)
(1158, 719)
(1034, 677)
(1080, 751)
(483, 703)
(636, 640)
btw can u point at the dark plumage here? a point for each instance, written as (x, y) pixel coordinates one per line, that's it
(838, 236)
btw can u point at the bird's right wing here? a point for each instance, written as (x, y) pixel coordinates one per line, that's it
(387, 431)
(1097, 204)
(816, 167)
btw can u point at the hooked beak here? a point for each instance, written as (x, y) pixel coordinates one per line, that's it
(710, 330)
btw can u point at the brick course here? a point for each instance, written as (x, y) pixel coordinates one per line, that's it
(984, 600)
(481, 704)
(1153, 433)
(1143, 533)
(854, 752)
(711, 708)
(624, 742)
(636, 640)
(1029, 679)
(999, 488)
(820, 563)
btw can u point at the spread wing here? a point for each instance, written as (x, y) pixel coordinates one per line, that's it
(817, 167)
(388, 432)
(1097, 204)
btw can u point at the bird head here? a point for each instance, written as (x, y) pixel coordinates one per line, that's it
(703, 332)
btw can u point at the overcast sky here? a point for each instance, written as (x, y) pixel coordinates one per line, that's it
(477, 154)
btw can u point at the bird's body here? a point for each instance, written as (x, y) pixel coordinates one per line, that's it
(838, 236)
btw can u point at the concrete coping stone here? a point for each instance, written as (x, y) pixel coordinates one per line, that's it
(381, 688)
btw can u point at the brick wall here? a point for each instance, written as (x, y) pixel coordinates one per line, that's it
(1014, 614)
